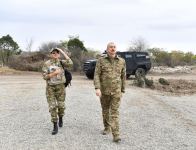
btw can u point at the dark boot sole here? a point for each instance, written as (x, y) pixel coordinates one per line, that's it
(117, 140)
(53, 133)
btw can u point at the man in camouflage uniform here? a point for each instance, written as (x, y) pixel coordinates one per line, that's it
(53, 73)
(109, 81)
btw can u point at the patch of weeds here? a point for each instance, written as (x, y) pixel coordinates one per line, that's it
(163, 81)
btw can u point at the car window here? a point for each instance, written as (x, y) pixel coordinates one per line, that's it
(128, 56)
(140, 55)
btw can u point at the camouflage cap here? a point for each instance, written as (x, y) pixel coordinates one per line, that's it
(54, 49)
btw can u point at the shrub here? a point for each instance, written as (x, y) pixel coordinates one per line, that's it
(149, 83)
(163, 81)
(140, 81)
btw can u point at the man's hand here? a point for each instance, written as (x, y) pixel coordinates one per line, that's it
(98, 92)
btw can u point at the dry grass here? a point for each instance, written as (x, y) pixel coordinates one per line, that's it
(7, 70)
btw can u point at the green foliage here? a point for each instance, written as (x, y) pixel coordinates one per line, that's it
(79, 57)
(33, 61)
(29, 61)
(160, 57)
(163, 81)
(193, 58)
(174, 58)
(149, 83)
(75, 43)
(188, 57)
(79, 54)
(177, 58)
(78, 50)
(140, 81)
(64, 44)
(8, 47)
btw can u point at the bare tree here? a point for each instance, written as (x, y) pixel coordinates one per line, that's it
(29, 44)
(139, 44)
(49, 45)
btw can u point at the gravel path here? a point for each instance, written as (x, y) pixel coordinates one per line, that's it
(148, 120)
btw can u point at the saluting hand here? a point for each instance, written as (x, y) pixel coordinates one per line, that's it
(64, 54)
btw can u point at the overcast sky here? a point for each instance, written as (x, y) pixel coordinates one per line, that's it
(168, 24)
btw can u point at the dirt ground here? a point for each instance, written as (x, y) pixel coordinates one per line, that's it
(179, 83)
(182, 80)
(149, 119)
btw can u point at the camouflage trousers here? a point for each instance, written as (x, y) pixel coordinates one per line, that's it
(110, 105)
(56, 100)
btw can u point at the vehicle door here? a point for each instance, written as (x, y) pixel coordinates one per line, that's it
(130, 63)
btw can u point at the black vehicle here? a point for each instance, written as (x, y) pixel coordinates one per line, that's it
(137, 63)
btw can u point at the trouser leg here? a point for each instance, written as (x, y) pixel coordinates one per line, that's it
(114, 113)
(60, 96)
(51, 99)
(105, 104)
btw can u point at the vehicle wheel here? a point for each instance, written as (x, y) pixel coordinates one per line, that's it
(140, 72)
(90, 76)
(127, 76)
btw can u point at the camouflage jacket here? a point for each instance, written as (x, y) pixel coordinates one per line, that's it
(50, 66)
(110, 75)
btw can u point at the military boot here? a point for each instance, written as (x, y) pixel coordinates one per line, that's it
(55, 129)
(116, 139)
(106, 131)
(60, 121)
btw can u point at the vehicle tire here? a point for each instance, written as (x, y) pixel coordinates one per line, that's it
(90, 76)
(140, 72)
(127, 76)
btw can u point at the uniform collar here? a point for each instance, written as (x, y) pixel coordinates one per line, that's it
(116, 57)
(54, 60)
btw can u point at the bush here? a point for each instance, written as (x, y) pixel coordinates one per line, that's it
(163, 81)
(140, 81)
(28, 61)
(149, 83)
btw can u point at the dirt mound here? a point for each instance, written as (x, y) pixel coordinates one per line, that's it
(177, 86)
